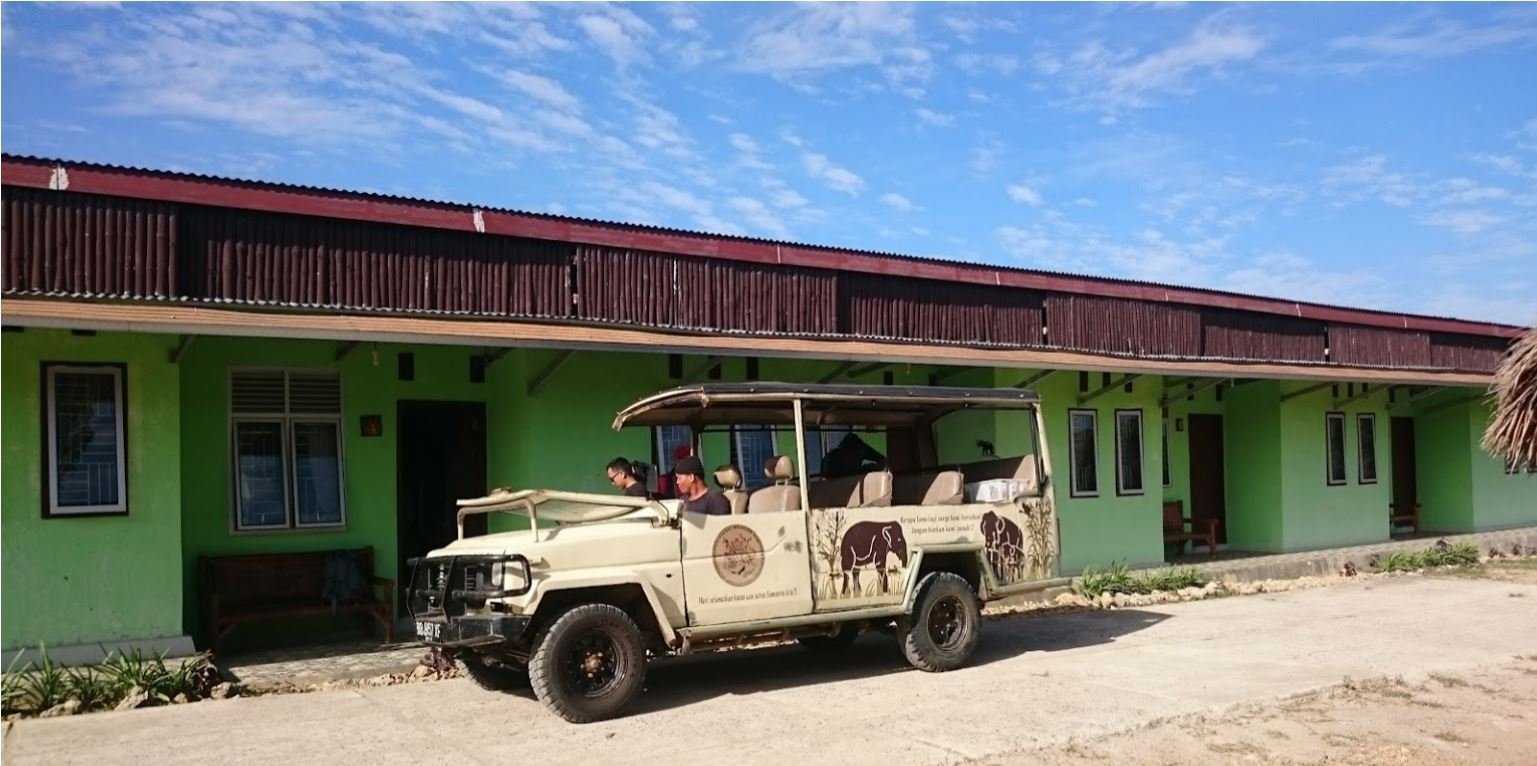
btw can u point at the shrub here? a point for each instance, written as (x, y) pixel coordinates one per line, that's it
(1117, 579)
(35, 689)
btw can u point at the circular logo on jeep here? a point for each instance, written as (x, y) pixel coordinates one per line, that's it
(738, 555)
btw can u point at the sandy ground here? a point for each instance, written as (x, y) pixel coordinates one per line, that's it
(1234, 680)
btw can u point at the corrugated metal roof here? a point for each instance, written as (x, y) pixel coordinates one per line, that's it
(1062, 281)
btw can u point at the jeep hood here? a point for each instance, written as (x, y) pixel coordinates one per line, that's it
(563, 518)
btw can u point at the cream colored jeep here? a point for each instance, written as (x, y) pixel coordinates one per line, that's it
(597, 585)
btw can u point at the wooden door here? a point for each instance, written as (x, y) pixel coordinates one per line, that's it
(1405, 483)
(1208, 491)
(440, 459)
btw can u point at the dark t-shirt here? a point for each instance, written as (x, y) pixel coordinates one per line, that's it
(711, 502)
(635, 490)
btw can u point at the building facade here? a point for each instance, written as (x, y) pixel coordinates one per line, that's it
(204, 367)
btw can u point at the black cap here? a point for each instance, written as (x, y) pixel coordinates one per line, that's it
(689, 465)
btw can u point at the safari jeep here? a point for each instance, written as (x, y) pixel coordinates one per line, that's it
(597, 585)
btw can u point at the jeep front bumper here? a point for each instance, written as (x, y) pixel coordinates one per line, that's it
(470, 631)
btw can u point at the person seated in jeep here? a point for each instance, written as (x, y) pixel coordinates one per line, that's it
(622, 475)
(696, 494)
(852, 456)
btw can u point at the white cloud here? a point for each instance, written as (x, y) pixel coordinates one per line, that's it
(984, 156)
(1463, 221)
(527, 39)
(898, 202)
(1506, 164)
(1085, 202)
(1025, 195)
(835, 177)
(618, 33)
(759, 216)
(541, 88)
(1119, 81)
(749, 154)
(784, 197)
(1440, 37)
(1002, 63)
(792, 138)
(1526, 135)
(656, 128)
(1368, 177)
(819, 37)
(1466, 191)
(931, 117)
(674, 197)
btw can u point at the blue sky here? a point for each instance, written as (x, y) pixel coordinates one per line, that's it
(1373, 155)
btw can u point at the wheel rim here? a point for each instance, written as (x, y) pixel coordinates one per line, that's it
(947, 623)
(592, 666)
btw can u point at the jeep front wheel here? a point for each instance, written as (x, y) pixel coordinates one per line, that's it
(492, 674)
(944, 626)
(589, 663)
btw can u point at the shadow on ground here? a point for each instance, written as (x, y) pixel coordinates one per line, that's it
(683, 681)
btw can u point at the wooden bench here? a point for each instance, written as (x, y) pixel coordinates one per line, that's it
(1404, 515)
(1178, 528)
(272, 587)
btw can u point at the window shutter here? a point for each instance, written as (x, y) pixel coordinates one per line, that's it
(256, 391)
(314, 393)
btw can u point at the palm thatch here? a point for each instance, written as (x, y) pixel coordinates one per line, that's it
(1512, 433)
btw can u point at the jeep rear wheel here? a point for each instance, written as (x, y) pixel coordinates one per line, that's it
(492, 674)
(944, 626)
(589, 663)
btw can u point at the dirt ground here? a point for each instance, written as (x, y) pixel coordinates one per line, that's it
(1486, 717)
(1483, 717)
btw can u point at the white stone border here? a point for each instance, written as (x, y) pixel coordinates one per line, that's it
(91, 654)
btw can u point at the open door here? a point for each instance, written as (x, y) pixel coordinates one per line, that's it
(1405, 482)
(1208, 488)
(440, 458)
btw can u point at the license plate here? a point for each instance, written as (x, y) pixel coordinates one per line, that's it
(429, 631)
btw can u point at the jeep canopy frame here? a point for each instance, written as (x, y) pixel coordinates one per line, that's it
(906, 413)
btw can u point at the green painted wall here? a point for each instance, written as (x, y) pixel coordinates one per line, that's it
(442, 373)
(1444, 466)
(1251, 436)
(1318, 515)
(87, 580)
(1500, 499)
(1099, 530)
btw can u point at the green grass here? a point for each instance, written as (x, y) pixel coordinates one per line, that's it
(36, 688)
(1441, 555)
(1117, 579)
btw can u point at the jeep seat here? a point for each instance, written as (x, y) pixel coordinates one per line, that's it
(730, 481)
(779, 496)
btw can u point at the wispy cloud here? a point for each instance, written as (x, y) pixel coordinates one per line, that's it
(1368, 178)
(618, 33)
(937, 119)
(898, 202)
(1026, 195)
(1117, 81)
(541, 88)
(1437, 37)
(822, 37)
(1463, 221)
(835, 177)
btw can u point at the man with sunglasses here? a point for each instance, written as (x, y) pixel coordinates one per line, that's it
(622, 475)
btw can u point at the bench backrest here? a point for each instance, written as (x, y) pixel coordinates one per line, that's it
(1022, 468)
(272, 577)
(931, 488)
(1173, 516)
(869, 490)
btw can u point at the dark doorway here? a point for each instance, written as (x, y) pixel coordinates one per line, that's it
(1405, 482)
(1208, 491)
(440, 458)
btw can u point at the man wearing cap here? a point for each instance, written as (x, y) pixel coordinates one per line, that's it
(696, 494)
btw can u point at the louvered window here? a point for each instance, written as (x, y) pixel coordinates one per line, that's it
(286, 434)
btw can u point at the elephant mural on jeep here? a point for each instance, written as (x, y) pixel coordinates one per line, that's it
(1004, 543)
(870, 544)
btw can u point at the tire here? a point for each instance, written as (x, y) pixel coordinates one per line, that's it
(837, 642)
(491, 674)
(589, 664)
(944, 626)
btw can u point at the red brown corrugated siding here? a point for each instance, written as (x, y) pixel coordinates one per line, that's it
(666, 290)
(1369, 346)
(879, 306)
(1122, 326)
(269, 258)
(1466, 352)
(1245, 335)
(83, 244)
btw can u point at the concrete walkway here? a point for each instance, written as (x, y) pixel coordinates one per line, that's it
(1035, 681)
(1329, 561)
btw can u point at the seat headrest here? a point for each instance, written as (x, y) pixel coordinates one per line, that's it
(779, 468)
(728, 477)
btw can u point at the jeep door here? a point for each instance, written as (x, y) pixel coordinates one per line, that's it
(745, 567)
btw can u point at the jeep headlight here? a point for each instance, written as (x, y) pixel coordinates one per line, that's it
(507, 575)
